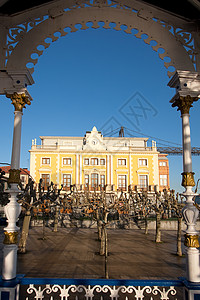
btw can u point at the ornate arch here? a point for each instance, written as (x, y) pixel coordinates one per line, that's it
(25, 39)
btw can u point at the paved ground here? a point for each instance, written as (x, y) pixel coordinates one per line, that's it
(73, 253)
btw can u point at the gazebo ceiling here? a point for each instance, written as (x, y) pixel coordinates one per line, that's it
(189, 9)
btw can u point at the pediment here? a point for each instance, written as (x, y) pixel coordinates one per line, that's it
(93, 141)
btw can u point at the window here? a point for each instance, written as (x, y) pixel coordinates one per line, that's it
(163, 180)
(143, 181)
(67, 181)
(94, 161)
(122, 182)
(94, 180)
(46, 161)
(102, 180)
(162, 163)
(86, 180)
(143, 162)
(45, 180)
(102, 162)
(121, 162)
(86, 161)
(22, 178)
(67, 161)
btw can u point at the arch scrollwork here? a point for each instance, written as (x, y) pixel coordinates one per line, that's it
(24, 39)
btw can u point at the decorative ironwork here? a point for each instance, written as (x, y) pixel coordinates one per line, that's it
(10, 238)
(191, 241)
(19, 100)
(184, 37)
(89, 291)
(188, 179)
(14, 176)
(17, 33)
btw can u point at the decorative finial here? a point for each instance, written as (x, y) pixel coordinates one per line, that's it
(94, 128)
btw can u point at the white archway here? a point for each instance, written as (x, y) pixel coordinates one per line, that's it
(24, 39)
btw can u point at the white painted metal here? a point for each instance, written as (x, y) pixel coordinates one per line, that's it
(28, 30)
(89, 291)
(16, 147)
(12, 211)
(15, 81)
(187, 156)
(192, 265)
(188, 83)
(9, 262)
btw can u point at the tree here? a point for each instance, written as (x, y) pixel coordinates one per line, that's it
(30, 199)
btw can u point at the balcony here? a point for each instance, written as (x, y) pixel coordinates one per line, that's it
(99, 188)
(143, 188)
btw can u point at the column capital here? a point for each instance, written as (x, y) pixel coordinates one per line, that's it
(19, 100)
(184, 103)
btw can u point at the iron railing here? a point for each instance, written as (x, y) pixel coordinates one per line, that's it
(99, 289)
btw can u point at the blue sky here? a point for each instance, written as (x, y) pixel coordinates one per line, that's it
(96, 77)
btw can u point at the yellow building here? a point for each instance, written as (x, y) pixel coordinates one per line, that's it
(93, 161)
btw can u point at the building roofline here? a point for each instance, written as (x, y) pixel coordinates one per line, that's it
(105, 138)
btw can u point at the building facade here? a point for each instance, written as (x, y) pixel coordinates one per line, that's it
(93, 161)
(163, 171)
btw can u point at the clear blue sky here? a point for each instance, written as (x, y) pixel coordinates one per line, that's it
(99, 77)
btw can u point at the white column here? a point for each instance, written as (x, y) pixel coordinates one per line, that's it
(12, 209)
(111, 169)
(187, 86)
(81, 169)
(130, 175)
(58, 171)
(187, 157)
(108, 169)
(77, 168)
(190, 212)
(16, 147)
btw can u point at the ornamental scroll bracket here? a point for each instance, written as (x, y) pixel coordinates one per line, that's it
(29, 38)
(185, 37)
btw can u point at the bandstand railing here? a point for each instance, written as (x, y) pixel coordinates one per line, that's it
(99, 289)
